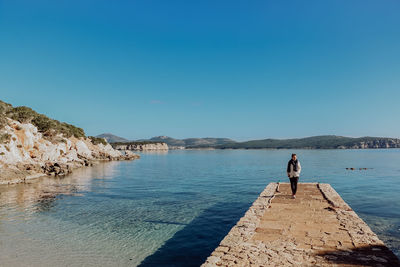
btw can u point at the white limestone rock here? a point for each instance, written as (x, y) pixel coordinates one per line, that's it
(28, 149)
(82, 149)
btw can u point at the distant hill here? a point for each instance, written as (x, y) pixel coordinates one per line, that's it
(112, 138)
(316, 142)
(191, 142)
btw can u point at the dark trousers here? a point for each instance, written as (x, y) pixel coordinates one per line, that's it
(293, 184)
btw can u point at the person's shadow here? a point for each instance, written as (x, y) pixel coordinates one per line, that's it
(373, 255)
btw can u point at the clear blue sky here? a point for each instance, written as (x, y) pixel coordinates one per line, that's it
(239, 69)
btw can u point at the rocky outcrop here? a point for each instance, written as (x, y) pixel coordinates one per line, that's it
(27, 154)
(379, 143)
(138, 146)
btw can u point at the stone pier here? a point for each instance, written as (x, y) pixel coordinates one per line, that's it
(316, 229)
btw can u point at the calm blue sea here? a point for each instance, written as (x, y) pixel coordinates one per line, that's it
(172, 209)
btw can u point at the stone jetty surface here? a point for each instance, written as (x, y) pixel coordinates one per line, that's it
(316, 229)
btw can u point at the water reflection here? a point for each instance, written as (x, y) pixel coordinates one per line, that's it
(122, 212)
(39, 195)
(154, 152)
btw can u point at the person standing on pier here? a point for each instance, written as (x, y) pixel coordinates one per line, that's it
(293, 172)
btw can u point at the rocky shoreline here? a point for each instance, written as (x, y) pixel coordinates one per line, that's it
(141, 146)
(28, 154)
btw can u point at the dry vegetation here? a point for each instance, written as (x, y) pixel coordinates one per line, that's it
(48, 127)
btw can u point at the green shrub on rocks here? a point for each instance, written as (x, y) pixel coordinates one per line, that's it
(97, 140)
(3, 121)
(45, 125)
(4, 138)
(70, 130)
(22, 114)
(4, 107)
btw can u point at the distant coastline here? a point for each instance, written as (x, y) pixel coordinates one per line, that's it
(314, 142)
(140, 146)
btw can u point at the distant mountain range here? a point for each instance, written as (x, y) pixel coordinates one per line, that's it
(112, 138)
(191, 142)
(315, 142)
(172, 142)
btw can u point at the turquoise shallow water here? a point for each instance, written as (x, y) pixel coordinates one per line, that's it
(172, 209)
